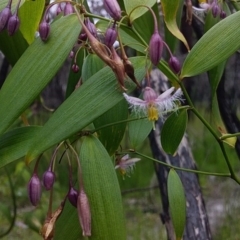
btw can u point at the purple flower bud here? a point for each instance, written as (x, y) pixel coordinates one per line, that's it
(215, 10)
(110, 36)
(44, 30)
(82, 37)
(13, 24)
(5, 14)
(90, 26)
(75, 68)
(71, 54)
(84, 213)
(73, 196)
(155, 48)
(68, 9)
(34, 189)
(174, 64)
(222, 14)
(113, 9)
(48, 179)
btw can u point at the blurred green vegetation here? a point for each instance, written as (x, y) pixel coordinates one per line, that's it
(141, 196)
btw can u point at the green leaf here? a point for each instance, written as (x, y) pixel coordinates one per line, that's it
(170, 39)
(138, 11)
(67, 225)
(73, 77)
(12, 46)
(138, 130)
(177, 203)
(15, 144)
(103, 191)
(97, 95)
(111, 137)
(173, 131)
(92, 64)
(30, 14)
(214, 47)
(170, 12)
(35, 69)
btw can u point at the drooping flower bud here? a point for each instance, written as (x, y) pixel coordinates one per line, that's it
(48, 179)
(73, 196)
(215, 9)
(223, 14)
(44, 30)
(111, 36)
(90, 26)
(5, 14)
(75, 68)
(34, 189)
(13, 24)
(174, 64)
(68, 9)
(113, 9)
(84, 213)
(155, 48)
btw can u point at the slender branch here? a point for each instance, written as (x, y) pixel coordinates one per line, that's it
(225, 136)
(181, 169)
(14, 205)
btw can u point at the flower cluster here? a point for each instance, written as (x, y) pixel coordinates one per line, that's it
(8, 20)
(77, 198)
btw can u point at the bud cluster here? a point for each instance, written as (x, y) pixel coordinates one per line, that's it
(217, 10)
(8, 20)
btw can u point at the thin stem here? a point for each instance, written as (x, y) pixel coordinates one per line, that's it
(79, 165)
(225, 136)
(13, 219)
(233, 175)
(182, 169)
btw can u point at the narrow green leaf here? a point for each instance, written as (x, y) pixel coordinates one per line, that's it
(111, 137)
(68, 226)
(170, 39)
(138, 130)
(173, 131)
(15, 143)
(92, 64)
(103, 191)
(30, 14)
(35, 69)
(177, 203)
(135, 11)
(214, 47)
(12, 46)
(170, 11)
(97, 95)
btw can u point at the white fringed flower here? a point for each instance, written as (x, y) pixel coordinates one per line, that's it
(126, 164)
(154, 106)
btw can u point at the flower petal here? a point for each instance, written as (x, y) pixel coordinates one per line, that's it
(165, 95)
(135, 101)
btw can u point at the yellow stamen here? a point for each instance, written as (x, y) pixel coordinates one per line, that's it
(152, 113)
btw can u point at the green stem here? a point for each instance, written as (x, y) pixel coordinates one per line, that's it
(194, 110)
(182, 169)
(13, 219)
(233, 175)
(225, 136)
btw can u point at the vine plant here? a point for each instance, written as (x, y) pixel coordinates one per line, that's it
(94, 114)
